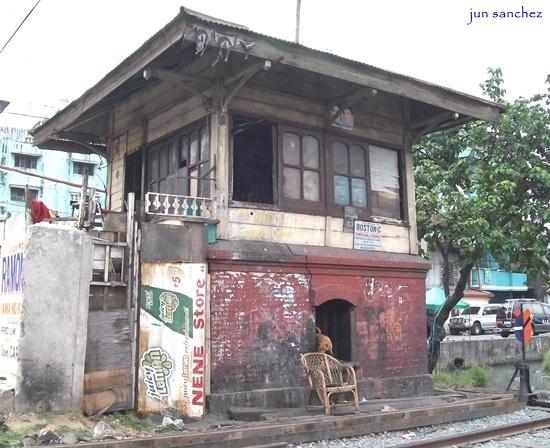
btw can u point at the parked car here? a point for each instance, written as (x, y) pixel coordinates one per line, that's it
(540, 316)
(475, 319)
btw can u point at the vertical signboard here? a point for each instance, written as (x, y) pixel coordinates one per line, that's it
(171, 362)
(12, 255)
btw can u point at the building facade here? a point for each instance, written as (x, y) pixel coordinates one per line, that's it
(17, 151)
(488, 281)
(285, 175)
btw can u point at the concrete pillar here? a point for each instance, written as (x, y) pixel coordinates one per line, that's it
(52, 346)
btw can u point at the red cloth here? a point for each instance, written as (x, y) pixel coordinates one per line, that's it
(39, 211)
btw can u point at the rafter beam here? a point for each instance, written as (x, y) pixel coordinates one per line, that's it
(348, 101)
(181, 80)
(242, 77)
(428, 125)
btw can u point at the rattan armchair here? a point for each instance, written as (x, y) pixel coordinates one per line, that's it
(327, 376)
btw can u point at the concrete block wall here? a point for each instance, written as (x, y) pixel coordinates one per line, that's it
(491, 352)
(52, 346)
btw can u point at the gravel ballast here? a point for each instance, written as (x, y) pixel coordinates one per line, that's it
(396, 438)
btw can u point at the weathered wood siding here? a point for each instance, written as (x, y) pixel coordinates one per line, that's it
(107, 379)
(294, 228)
(379, 119)
(116, 175)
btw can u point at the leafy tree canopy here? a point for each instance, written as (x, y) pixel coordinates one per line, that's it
(485, 187)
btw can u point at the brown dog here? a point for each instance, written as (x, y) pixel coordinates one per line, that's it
(324, 344)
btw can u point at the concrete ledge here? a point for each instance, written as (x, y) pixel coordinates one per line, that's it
(491, 352)
(289, 397)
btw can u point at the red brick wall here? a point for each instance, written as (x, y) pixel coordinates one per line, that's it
(260, 324)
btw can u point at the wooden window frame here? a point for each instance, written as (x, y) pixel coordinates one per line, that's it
(333, 208)
(300, 205)
(180, 172)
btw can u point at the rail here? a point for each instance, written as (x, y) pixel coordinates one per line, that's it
(478, 436)
(178, 206)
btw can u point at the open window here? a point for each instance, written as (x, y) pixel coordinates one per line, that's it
(252, 160)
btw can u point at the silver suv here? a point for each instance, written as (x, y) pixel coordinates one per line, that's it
(475, 319)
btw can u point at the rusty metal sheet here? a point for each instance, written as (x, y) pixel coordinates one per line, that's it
(172, 353)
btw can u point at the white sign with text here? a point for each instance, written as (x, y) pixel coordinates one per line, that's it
(367, 236)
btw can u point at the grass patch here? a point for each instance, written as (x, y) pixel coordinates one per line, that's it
(80, 433)
(11, 437)
(128, 420)
(475, 376)
(546, 363)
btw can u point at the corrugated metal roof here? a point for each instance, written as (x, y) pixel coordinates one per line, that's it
(208, 19)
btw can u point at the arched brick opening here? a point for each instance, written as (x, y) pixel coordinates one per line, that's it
(334, 318)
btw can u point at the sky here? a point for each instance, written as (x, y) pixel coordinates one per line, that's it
(66, 46)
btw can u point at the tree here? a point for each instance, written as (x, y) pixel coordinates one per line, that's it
(485, 187)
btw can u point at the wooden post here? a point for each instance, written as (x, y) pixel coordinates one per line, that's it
(219, 141)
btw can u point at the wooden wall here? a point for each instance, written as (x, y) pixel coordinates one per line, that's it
(155, 112)
(378, 118)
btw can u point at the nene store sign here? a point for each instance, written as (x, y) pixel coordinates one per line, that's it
(172, 338)
(12, 255)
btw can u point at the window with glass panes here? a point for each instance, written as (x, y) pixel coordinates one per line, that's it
(180, 164)
(301, 167)
(25, 161)
(83, 168)
(349, 173)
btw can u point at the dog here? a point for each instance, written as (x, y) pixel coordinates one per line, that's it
(324, 344)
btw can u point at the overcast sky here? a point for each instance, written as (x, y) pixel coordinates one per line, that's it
(66, 46)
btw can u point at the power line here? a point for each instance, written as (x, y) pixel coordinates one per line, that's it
(20, 25)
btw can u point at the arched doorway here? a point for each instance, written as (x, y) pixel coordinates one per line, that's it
(334, 320)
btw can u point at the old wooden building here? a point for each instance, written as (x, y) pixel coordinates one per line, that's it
(288, 173)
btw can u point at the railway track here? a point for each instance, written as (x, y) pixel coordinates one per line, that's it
(491, 434)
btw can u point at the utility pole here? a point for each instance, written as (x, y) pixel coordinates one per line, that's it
(298, 4)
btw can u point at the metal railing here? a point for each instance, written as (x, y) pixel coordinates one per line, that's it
(180, 206)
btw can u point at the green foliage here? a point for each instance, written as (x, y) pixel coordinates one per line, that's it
(546, 363)
(475, 376)
(129, 420)
(11, 438)
(485, 188)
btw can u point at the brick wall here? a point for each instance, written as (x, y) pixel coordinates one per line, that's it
(263, 315)
(260, 324)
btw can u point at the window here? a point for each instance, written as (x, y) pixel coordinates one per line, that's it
(83, 168)
(25, 161)
(181, 164)
(349, 178)
(252, 160)
(18, 194)
(386, 194)
(287, 166)
(301, 167)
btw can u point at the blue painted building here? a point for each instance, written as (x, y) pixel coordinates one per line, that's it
(17, 150)
(489, 276)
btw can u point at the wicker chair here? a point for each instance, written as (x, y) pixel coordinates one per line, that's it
(328, 376)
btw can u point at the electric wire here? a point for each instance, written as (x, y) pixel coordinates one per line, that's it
(20, 25)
